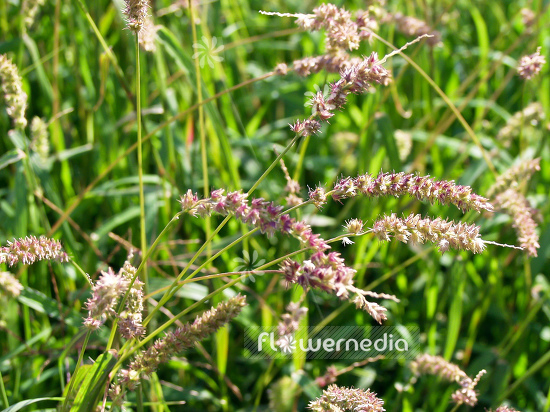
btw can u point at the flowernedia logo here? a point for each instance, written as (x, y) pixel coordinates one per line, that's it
(207, 51)
(248, 263)
(334, 342)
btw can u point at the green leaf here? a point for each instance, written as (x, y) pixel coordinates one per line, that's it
(10, 157)
(20, 405)
(44, 304)
(42, 77)
(93, 385)
(458, 282)
(387, 135)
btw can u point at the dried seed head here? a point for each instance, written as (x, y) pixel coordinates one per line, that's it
(290, 321)
(421, 187)
(148, 35)
(130, 319)
(267, 216)
(436, 365)
(328, 272)
(467, 393)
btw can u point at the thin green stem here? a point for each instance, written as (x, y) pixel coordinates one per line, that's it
(201, 127)
(448, 101)
(128, 151)
(142, 231)
(275, 163)
(138, 271)
(108, 50)
(80, 358)
(4, 394)
(175, 284)
(300, 163)
(163, 327)
(533, 369)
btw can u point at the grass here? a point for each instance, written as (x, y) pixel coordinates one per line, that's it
(226, 126)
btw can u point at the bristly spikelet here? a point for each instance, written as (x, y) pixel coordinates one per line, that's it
(411, 26)
(174, 343)
(336, 398)
(436, 365)
(15, 97)
(136, 12)
(148, 35)
(445, 234)
(399, 184)
(514, 176)
(329, 272)
(130, 319)
(106, 293)
(32, 249)
(9, 285)
(531, 65)
(516, 205)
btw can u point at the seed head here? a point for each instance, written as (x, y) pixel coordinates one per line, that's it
(9, 285)
(183, 338)
(14, 96)
(40, 141)
(514, 176)
(529, 66)
(105, 295)
(436, 365)
(136, 12)
(516, 205)
(445, 234)
(32, 249)
(411, 26)
(339, 398)
(354, 226)
(130, 319)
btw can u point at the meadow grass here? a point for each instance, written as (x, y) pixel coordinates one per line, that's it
(125, 133)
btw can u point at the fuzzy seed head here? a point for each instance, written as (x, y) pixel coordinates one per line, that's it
(31, 249)
(531, 65)
(12, 89)
(354, 226)
(9, 285)
(336, 398)
(136, 12)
